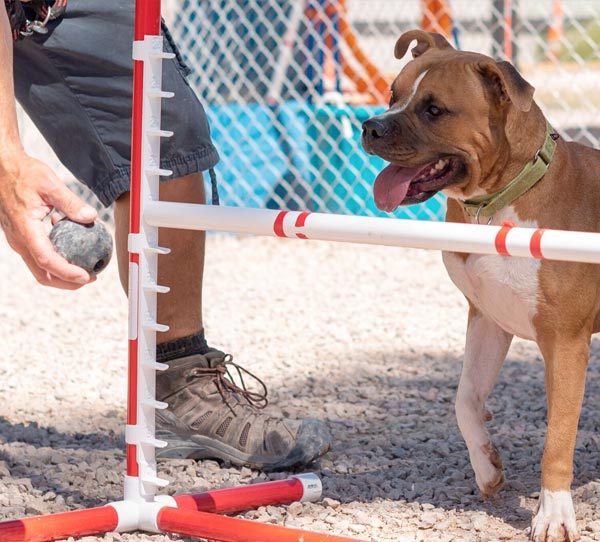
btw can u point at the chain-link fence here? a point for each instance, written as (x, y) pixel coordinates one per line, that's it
(287, 83)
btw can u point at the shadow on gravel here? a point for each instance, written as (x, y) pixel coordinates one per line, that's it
(42, 461)
(396, 437)
(39, 436)
(392, 417)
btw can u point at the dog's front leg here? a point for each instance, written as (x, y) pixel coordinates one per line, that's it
(485, 350)
(566, 359)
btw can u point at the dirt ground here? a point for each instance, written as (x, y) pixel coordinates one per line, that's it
(367, 338)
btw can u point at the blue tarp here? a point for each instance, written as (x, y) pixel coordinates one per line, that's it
(316, 150)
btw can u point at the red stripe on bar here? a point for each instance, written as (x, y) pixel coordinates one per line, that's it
(535, 246)
(500, 240)
(300, 222)
(278, 224)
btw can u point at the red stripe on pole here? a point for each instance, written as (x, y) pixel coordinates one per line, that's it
(132, 362)
(239, 499)
(132, 465)
(60, 526)
(216, 527)
(132, 383)
(500, 241)
(147, 18)
(536, 244)
(278, 224)
(136, 146)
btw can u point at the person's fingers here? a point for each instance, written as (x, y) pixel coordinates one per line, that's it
(46, 258)
(46, 279)
(43, 276)
(32, 194)
(55, 217)
(71, 205)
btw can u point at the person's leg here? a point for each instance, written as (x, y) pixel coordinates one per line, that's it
(207, 417)
(181, 307)
(79, 90)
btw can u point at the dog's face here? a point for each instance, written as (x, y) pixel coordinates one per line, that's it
(446, 125)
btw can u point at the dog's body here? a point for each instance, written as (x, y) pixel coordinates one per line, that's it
(467, 125)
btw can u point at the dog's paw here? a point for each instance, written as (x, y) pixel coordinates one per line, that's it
(554, 520)
(489, 474)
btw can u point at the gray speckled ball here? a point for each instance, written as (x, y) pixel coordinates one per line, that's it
(86, 245)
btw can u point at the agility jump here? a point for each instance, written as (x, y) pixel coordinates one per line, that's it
(199, 515)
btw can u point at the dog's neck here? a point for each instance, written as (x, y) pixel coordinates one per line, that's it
(524, 136)
(509, 186)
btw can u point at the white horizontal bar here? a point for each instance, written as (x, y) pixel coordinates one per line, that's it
(471, 238)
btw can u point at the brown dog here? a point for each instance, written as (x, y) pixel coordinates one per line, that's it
(467, 125)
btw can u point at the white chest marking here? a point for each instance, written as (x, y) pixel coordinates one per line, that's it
(503, 288)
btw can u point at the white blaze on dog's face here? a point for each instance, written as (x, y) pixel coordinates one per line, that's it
(441, 137)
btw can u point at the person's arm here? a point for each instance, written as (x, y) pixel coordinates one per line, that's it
(30, 190)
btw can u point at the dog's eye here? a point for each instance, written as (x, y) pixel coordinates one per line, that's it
(433, 111)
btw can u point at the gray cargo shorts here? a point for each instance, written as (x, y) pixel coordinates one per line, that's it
(75, 83)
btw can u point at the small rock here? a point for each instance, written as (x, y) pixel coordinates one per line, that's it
(295, 508)
(331, 503)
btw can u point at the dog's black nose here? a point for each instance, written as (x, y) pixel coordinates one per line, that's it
(374, 128)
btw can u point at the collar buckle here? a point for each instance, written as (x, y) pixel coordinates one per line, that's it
(543, 154)
(533, 171)
(478, 213)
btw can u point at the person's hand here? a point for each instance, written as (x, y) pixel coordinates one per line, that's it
(29, 191)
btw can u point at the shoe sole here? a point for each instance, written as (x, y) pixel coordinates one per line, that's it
(312, 443)
(198, 448)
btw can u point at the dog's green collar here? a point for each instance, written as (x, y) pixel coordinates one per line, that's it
(489, 204)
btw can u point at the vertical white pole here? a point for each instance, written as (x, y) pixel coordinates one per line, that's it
(143, 287)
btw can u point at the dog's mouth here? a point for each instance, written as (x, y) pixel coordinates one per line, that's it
(399, 185)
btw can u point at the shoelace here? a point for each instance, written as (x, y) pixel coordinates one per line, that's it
(226, 385)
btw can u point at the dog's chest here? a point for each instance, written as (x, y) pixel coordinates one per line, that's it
(503, 288)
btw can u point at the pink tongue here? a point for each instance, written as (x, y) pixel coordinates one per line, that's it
(391, 186)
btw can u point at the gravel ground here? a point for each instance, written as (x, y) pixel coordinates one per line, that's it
(367, 338)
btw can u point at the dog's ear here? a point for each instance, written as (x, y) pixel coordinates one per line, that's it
(507, 83)
(425, 41)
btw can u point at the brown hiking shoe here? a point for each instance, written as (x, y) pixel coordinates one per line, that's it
(211, 416)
